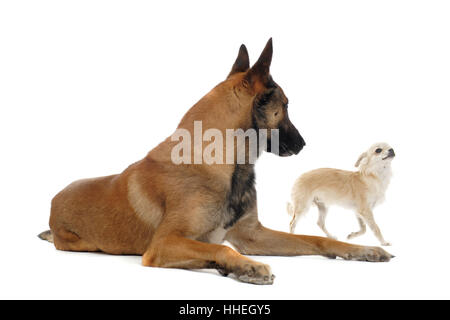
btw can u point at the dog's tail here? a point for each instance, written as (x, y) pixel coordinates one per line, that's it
(46, 235)
(290, 209)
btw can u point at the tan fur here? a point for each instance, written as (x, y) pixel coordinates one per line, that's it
(149, 212)
(175, 215)
(360, 191)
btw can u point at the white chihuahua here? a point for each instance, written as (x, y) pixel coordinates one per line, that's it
(361, 190)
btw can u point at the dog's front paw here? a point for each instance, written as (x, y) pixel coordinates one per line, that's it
(371, 254)
(255, 273)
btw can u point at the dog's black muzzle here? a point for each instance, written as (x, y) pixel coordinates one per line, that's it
(391, 154)
(291, 142)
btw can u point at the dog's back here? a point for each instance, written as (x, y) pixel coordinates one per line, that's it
(315, 186)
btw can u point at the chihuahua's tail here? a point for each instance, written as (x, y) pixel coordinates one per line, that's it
(46, 235)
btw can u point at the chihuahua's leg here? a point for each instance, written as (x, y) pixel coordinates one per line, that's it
(367, 215)
(293, 223)
(299, 209)
(362, 229)
(323, 210)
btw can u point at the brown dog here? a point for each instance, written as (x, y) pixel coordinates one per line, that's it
(176, 215)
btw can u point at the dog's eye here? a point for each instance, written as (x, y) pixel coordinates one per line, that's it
(265, 98)
(378, 150)
(276, 113)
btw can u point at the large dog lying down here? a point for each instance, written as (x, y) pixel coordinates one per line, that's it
(177, 215)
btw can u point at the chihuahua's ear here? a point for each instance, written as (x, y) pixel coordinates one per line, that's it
(259, 72)
(361, 157)
(242, 62)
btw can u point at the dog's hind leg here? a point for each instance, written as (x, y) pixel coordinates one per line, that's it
(362, 229)
(323, 210)
(298, 210)
(68, 241)
(175, 251)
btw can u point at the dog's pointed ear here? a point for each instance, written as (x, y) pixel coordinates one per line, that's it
(242, 62)
(361, 157)
(261, 69)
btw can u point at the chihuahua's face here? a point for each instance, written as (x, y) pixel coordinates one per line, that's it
(381, 152)
(378, 156)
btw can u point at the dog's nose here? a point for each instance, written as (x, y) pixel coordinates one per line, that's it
(303, 142)
(391, 152)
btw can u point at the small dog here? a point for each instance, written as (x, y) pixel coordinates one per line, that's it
(361, 190)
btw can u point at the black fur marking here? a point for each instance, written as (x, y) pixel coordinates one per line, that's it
(270, 83)
(263, 99)
(242, 195)
(290, 140)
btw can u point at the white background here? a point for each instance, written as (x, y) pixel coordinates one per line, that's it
(89, 87)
